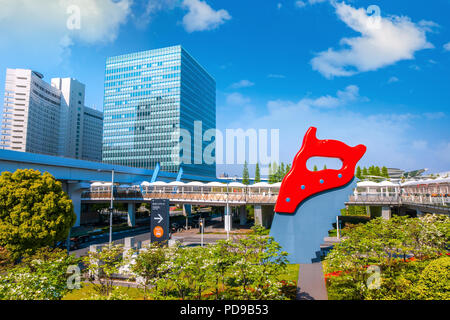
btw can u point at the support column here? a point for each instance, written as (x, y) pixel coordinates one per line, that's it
(368, 211)
(131, 214)
(187, 210)
(228, 219)
(267, 215)
(74, 192)
(419, 213)
(258, 215)
(386, 213)
(242, 215)
(264, 215)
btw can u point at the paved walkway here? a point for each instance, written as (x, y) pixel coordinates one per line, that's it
(311, 282)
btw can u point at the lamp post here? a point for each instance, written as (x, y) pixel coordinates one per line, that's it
(227, 220)
(111, 207)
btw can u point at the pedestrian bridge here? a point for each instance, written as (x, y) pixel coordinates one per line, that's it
(431, 195)
(196, 193)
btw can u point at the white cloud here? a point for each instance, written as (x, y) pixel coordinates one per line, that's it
(41, 27)
(302, 4)
(151, 8)
(279, 5)
(349, 94)
(237, 99)
(383, 41)
(447, 46)
(393, 79)
(389, 137)
(419, 144)
(242, 84)
(434, 115)
(202, 17)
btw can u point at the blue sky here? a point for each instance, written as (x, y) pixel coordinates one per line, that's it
(381, 80)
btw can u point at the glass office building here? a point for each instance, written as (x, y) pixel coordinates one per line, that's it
(148, 96)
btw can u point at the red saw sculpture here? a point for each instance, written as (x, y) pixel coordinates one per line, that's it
(301, 183)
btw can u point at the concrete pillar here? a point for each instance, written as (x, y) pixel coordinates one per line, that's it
(131, 214)
(264, 215)
(74, 191)
(228, 219)
(242, 215)
(419, 213)
(187, 210)
(258, 215)
(368, 211)
(386, 213)
(267, 214)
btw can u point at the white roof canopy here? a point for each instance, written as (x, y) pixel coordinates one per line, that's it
(195, 184)
(236, 185)
(215, 184)
(276, 185)
(260, 185)
(387, 183)
(368, 184)
(158, 183)
(176, 183)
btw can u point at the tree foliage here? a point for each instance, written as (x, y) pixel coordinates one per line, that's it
(389, 245)
(245, 174)
(42, 276)
(257, 174)
(35, 212)
(246, 269)
(101, 267)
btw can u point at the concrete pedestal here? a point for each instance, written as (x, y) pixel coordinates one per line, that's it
(386, 213)
(131, 215)
(263, 215)
(242, 215)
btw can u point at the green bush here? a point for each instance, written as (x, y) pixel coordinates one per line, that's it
(434, 282)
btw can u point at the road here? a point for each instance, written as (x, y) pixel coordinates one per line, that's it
(188, 238)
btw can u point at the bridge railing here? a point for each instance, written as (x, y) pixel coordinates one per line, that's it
(232, 197)
(374, 199)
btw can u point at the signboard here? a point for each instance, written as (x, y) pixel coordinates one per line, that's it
(159, 220)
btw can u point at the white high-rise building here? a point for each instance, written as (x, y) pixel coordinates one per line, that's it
(49, 119)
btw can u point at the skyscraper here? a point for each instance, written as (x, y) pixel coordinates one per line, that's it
(148, 96)
(39, 117)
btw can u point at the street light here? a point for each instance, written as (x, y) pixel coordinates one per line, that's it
(202, 223)
(111, 207)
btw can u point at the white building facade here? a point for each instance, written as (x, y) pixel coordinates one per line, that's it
(49, 118)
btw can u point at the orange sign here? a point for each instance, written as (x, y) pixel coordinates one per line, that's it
(158, 232)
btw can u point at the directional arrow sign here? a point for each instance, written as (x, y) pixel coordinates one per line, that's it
(159, 225)
(159, 218)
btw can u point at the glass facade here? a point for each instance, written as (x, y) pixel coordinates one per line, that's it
(148, 96)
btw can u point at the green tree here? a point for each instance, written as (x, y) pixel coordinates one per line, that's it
(434, 281)
(245, 175)
(35, 212)
(386, 244)
(257, 174)
(324, 167)
(377, 171)
(43, 276)
(365, 172)
(358, 172)
(102, 265)
(384, 172)
(147, 266)
(315, 168)
(273, 174)
(288, 168)
(260, 261)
